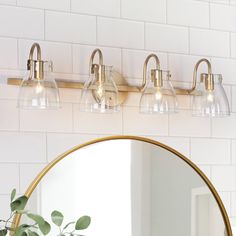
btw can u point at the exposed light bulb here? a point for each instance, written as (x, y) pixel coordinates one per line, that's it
(100, 92)
(39, 88)
(210, 97)
(158, 95)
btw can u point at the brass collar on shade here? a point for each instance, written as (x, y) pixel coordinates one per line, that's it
(106, 89)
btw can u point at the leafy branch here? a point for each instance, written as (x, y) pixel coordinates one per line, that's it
(39, 226)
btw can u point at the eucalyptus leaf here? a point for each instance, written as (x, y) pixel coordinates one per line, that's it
(3, 232)
(13, 194)
(32, 233)
(57, 218)
(19, 203)
(45, 228)
(21, 230)
(83, 223)
(37, 218)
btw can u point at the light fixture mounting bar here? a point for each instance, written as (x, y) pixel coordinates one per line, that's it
(71, 84)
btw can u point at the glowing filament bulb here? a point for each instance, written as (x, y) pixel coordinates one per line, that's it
(158, 95)
(39, 88)
(100, 91)
(210, 97)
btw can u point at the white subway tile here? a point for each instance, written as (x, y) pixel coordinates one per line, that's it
(28, 173)
(191, 13)
(94, 7)
(95, 123)
(4, 206)
(47, 120)
(182, 66)
(70, 95)
(8, 49)
(233, 204)
(22, 147)
(8, 2)
(233, 45)
(28, 23)
(81, 57)
(136, 123)
(179, 144)
(209, 42)
(223, 17)
(9, 119)
(226, 67)
(166, 38)
(150, 10)
(133, 61)
(224, 127)
(224, 178)
(184, 124)
(59, 53)
(62, 5)
(120, 33)
(234, 152)
(9, 178)
(9, 92)
(210, 151)
(67, 141)
(68, 27)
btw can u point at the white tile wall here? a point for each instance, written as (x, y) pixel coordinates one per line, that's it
(209, 42)
(60, 26)
(167, 38)
(180, 32)
(25, 23)
(187, 12)
(102, 7)
(120, 33)
(149, 10)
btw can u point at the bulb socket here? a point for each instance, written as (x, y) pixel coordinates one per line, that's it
(208, 79)
(157, 78)
(36, 69)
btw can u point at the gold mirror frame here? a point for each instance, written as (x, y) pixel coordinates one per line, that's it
(37, 180)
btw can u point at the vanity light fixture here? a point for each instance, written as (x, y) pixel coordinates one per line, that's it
(212, 101)
(100, 93)
(38, 90)
(103, 92)
(158, 95)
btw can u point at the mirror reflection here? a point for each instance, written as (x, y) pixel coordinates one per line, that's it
(130, 188)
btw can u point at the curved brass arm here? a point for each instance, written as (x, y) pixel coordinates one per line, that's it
(196, 69)
(145, 68)
(35, 67)
(97, 50)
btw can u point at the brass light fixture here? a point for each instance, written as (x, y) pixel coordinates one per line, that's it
(100, 93)
(158, 95)
(212, 101)
(38, 90)
(103, 92)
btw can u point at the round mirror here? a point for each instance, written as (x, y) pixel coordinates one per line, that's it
(130, 186)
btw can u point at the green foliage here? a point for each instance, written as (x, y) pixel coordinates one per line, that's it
(57, 218)
(40, 226)
(83, 223)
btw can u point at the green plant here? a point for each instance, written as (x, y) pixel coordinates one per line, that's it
(39, 226)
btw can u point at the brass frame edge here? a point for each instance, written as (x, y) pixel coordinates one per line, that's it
(39, 177)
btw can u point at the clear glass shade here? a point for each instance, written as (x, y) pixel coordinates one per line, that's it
(39, 93)
(158, 100)
(211, 103)
(100, 97)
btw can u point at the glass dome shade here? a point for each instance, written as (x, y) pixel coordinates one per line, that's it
(159, 99)
(100, 96)
(211, 102)
(39, 93)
